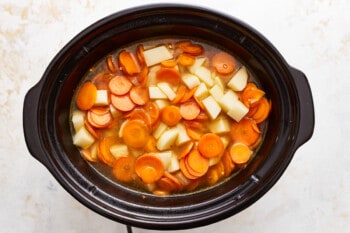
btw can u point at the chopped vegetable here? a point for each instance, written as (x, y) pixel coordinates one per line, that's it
(124, 169)
(86, 96)
(149, 168)
(223, 63)
(170, 115)
(135, 134)
(210, 145)
(119, 85)
(129, 63)
(189, 110)
(122, 102)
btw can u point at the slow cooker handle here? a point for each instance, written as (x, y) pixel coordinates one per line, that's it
(306, 110)
(31, 124)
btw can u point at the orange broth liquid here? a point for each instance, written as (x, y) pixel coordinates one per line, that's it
(219, 169)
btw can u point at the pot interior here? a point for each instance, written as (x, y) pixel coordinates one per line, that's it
(175, 211)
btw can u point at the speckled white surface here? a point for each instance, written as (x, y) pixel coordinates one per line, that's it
(312, 196)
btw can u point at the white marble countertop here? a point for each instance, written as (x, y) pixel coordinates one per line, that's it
(312, 196)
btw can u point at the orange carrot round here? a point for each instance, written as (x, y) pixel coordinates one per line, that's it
(101, 80)
(210, 145)
(170, 115)
(185, 171)
(240, 153)
(246, 131)
(119, 85)
(149, 168)
(169, 75)
(190, 110)
(185, 149)
(179, 94)
(188, 95)
(128, 63)
(185, 60)
(140, 56)
(223, 63)
(197, 164)
(153, 111)
(140, 114)
(122, 102)
(229, 166)
(99, 117)
(112, 67)
(124, 169)
(151, 145)
(261, 110)
(139, 95)
(104, 153)
(86, 96)
(169, 63)
(135, 134)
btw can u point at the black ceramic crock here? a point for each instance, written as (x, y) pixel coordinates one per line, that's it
(49, 140)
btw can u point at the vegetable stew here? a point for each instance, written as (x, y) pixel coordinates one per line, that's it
(169, 116)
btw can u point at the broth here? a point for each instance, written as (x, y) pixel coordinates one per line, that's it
(169, 116)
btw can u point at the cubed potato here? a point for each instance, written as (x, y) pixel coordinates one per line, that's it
(237, 110)
(78, 119)
(239, 80)
(101, 98)
(227, 100)
(182, 135)
(216, 92)
(156, 55)
(202, 91)
(190, 80)
(83, 139)
(212, 107)
(161, 128)
(167, 139)
(197, 63)
(161, 103)
(156, 93)
(119, 150)
(165, 157)
(204, 75)
(167, 90)
(220, 125)
(174, 164)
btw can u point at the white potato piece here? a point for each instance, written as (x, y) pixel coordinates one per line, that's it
(214, 161)
(220, 125)
(216, 92)
(156, 93)
(218, 81)
(239, 80)
(211, 106)
(237, 110)
(78, 119)
(227, 100)
(159, 130)
(182, 135)
(190, 80)
(165, 157)
(156, 55)
(174, 164)
(119, 150)
(204, 75)
(167, 139)
(161, 103)
(83, 138)
(167, 90)
(101, 98)
(200, 61)
(202, 91)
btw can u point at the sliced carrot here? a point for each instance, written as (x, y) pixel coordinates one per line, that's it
(202, 116)
(149, 168)
(223, 63)
(122, 102)
(140, 56)
(86, 96)
(86, 153)
(135, 134)
(169, 75)
(240, 153)
(99, 117)
(188, 95)
(185, 149)
(101, 80)
(91, 129)
(124, 169)
(182, 43)
(140, 114)
(151, 145)
(229, 166)
(119, 85)
(153, 111)
(112, 67)
(170, 115)
(214, 174)
(139, 95)
(197, 164)
(104, 153)
(210, 145)
(169, 183)
(169, 63)
(251, 94)
(185, 171)
(129, 63)
(143, 76)
(246, 131)
(189, 110)
(194, 134)
(192, 49)
(196, 125)
(185, 60)
(174, 179)
(262, 109)
(199, 102)
(181, 91)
